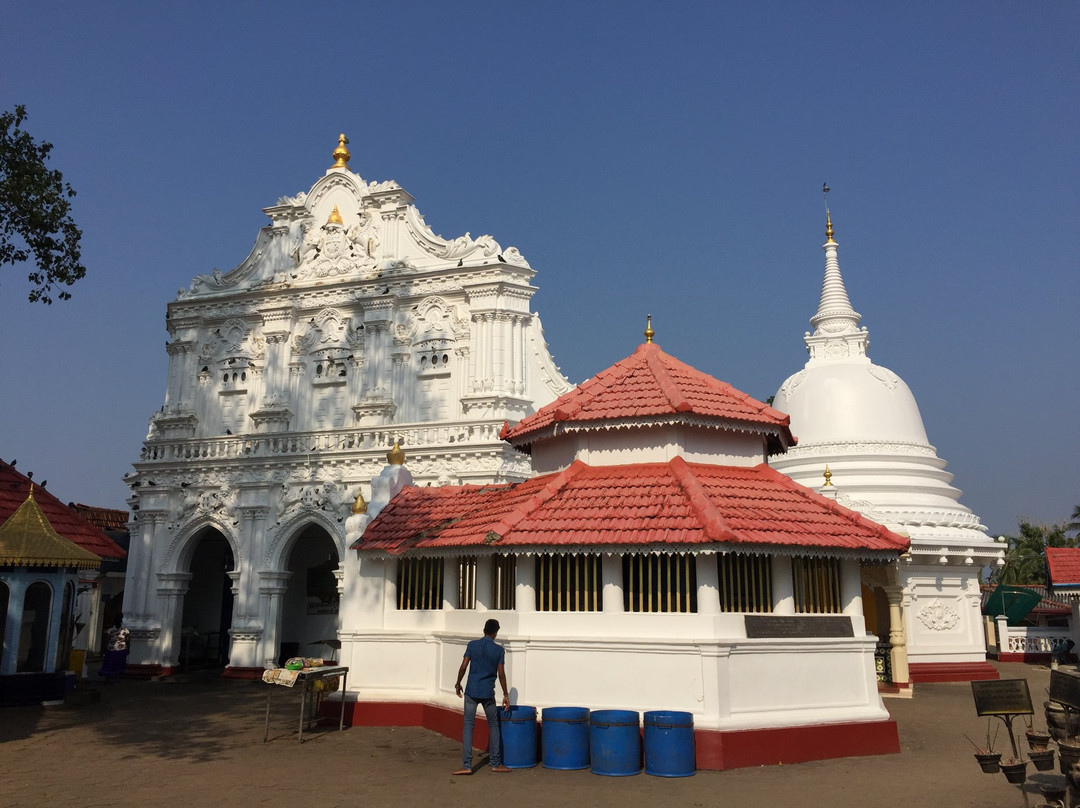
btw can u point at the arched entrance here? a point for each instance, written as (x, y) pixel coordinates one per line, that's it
(208, 603)
(309, 610)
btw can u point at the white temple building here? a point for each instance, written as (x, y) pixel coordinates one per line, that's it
(861, 422)
(349, 327)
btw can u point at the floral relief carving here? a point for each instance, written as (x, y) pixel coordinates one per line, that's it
(938, 616)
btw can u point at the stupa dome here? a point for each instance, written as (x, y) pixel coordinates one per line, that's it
(853, 400)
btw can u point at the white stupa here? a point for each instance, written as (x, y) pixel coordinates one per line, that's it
(862, 422)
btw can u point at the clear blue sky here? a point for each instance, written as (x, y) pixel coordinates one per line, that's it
(645, 157)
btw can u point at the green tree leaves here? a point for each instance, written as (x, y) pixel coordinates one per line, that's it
(35, 212)
(1025, 560)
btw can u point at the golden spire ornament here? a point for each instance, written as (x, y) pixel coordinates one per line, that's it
(828, 475)
(335, 217)
(341, 154)
(360, 506)
(396, 456)
(649, 333)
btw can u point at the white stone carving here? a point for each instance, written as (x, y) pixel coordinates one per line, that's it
(938, 616)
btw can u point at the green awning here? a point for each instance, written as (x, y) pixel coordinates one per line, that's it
(1012, 601)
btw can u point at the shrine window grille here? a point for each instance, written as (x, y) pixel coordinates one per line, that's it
(745, 583)
(816, 582)
(659, 582)
(504, 582)
(466, 583)
(568, 583)
(420, 583)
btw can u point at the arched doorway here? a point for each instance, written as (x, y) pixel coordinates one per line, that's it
(208, 604)
(310, 606)
(34, 632)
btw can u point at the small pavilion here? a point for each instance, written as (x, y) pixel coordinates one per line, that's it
(656, 561)
(39, 576)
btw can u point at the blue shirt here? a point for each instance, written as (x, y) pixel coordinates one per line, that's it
(485, 657)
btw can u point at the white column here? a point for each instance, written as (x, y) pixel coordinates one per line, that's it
(172, 586)
(485, 583)
(782, 586)
(13, 625)
(708, 584)
(850, 587)
(451, 578)
(611, 575)
(272, 587)
(897, 634)
(525, 588)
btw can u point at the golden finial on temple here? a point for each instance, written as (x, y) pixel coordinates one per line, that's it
(341, 154)
(335, 217)
(828, 475)
(360, 506)
(648, 329)
(396, 456)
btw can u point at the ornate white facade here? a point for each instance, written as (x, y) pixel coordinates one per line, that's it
(861, 420)
(350, 326)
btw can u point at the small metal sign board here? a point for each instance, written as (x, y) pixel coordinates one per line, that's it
(1065, 688)
(1002, 697)
(797, 626)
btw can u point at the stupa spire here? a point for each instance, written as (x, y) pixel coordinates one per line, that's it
(835, 318)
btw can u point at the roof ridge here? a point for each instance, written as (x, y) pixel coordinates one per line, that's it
(716, 527)
(671, 390)
(552, 487)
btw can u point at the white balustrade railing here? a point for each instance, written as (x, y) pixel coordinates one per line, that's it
(276, 444)
(1031, 640)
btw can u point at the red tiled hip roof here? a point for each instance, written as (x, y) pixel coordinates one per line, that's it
(675, 504)
(654, 386)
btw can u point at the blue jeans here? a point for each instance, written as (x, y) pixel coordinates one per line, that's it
(491, 710)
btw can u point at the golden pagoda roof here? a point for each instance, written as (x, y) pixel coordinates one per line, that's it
(28, 540)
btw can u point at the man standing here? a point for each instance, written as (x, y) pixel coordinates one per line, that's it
(484, 660)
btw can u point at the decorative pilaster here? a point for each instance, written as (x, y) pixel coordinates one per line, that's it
(897, 634)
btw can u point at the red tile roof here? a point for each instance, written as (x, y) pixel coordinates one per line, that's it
(104, 518)
(650, 384)
(14, 488)
(1064, 566)
(676, 503)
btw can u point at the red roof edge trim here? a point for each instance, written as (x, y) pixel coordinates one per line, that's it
(556, 484)
(716, 528)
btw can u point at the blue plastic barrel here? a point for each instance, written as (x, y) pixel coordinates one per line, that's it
(615, 742)
(518, 736)
(669, 743)
(565, 737)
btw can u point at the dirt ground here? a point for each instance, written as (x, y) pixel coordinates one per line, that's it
(200, 741)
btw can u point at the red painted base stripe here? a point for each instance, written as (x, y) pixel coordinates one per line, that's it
(951, 671)
(714, 750)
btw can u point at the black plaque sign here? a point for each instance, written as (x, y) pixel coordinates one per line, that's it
(1065, 689)
(1002, 697)
(797, 626)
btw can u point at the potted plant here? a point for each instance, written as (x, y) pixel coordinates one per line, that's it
(1036, 739)
(1015, 770)
(1042, 758)
(1068, 753)
(988, 759)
